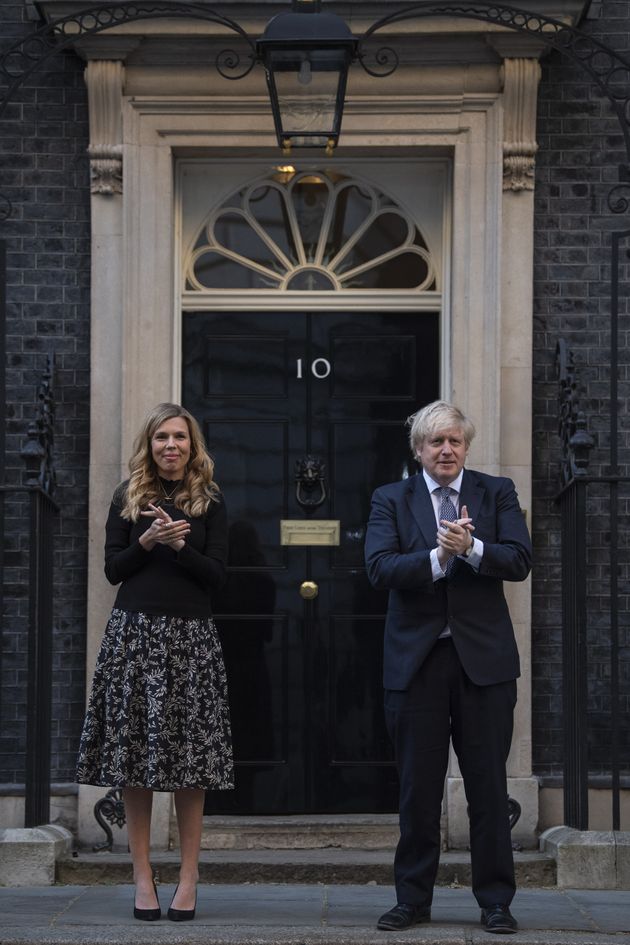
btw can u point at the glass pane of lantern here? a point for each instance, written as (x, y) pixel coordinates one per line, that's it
(307, 87)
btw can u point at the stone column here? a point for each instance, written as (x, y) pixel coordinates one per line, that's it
(520, 84)
(105, 82)
(520, 77)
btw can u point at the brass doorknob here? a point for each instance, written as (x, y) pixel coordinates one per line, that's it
(308, 590)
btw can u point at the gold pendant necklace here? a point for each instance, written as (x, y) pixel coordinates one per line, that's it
(169, 495)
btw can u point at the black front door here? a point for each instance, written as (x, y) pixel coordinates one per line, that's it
(326, 393)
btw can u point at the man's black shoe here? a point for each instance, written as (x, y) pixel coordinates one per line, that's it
(403, 916)
(498, 919)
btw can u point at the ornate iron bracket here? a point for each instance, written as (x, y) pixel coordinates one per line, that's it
(32, 51)
(310, 482)
(110, 808)
(514, 812)
(609, 70)
(514, 815)
(577, 443)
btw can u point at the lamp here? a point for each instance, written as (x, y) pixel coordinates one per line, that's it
(306, 55)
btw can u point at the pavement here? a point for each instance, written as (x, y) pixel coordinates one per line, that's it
(309, 914)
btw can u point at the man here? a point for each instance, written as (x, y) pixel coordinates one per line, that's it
(442, 542)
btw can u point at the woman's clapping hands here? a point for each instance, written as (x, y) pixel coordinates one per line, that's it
(164, 530)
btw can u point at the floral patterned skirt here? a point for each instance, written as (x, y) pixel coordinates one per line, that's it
(158, 714)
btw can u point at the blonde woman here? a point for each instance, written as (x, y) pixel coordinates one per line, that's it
(158, 717)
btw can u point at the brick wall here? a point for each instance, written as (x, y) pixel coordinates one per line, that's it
(44, 171)
(580, 149)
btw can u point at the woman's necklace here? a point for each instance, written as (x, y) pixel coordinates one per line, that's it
(169, 495)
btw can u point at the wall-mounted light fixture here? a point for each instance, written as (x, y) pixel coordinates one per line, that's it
(306, 55)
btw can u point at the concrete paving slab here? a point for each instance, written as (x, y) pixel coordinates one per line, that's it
(25, 907)
(556, 912)
(278, 914)
(606, 906)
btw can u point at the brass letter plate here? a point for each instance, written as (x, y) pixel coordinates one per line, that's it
(301, 532)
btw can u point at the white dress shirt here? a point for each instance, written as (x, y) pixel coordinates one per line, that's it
(475, 556)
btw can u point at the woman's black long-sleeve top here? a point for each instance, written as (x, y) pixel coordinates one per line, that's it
(164, 581)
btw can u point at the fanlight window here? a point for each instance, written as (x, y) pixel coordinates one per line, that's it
(310, 232)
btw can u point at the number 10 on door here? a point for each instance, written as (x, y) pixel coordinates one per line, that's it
(320, 368)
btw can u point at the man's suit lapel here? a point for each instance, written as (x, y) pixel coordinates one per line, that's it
(471, 495)
(421, 508)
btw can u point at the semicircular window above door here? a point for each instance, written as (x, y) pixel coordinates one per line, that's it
(310, 231)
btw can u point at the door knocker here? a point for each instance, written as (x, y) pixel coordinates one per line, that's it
(310, 482)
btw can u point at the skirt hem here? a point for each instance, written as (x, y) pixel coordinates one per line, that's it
(154, 787)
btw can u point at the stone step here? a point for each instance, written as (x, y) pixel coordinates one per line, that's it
(329, 866)
(299, 832)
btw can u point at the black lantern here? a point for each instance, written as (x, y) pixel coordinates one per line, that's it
(306, 55)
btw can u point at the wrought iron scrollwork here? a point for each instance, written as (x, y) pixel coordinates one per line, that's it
(607, 68)
(514, 812)
(514, 815)
(619, 198)
(32, 51)
(386, 59)
(310, 482)
(577, 443)
(229, 64)
(38, 451)
(110, 808)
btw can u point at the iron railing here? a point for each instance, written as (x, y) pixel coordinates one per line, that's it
(38, 490)
(590, 508)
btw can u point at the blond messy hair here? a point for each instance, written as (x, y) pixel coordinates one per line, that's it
(436, 416)
(198, 488)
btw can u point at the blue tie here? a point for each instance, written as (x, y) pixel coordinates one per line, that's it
(449, 514)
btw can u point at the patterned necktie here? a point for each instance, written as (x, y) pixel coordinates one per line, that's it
(449, 514)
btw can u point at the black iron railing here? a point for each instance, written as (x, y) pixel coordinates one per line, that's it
(41, 508)
(590, 507)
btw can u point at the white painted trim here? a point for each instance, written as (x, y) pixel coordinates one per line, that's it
(269, 300)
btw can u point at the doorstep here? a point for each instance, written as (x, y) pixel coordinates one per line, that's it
(330, 866)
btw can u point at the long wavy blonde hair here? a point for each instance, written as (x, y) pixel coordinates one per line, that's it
(198, 488)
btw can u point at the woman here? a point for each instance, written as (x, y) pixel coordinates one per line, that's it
(158, 717)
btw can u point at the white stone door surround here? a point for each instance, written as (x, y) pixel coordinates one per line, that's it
(135, 305)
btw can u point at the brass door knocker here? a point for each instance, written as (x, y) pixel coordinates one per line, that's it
(310, 482)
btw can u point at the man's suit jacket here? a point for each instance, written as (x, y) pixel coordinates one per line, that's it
(400, 535)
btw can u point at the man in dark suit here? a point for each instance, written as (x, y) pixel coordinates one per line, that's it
(442, 542)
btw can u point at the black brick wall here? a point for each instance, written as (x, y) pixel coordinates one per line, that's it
(580, 150)
(44, 171)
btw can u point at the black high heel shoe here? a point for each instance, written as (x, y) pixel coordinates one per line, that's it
(148, 915)
(181, 915)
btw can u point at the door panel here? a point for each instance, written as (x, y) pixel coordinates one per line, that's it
(305, 675)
